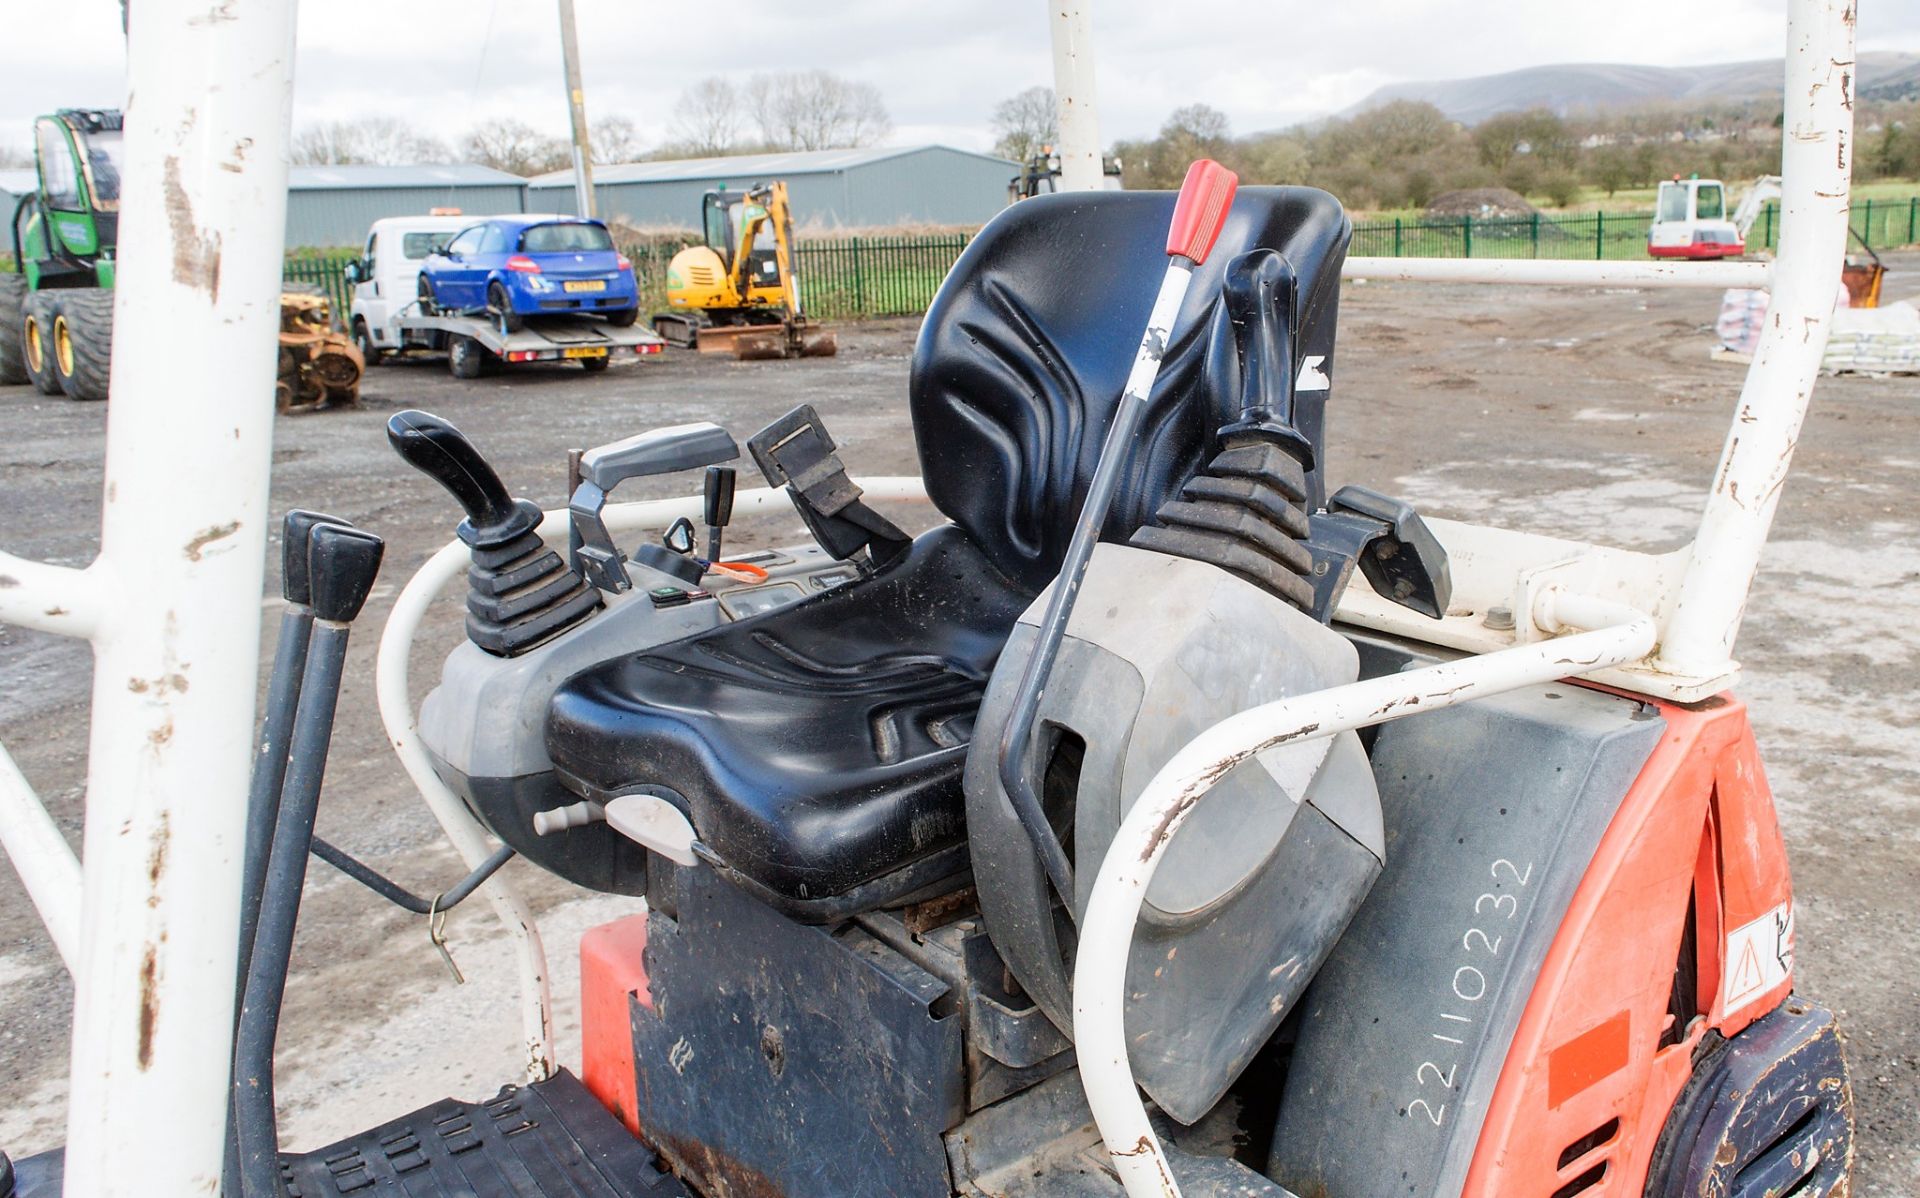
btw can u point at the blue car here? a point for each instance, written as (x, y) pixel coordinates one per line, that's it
(513, 267)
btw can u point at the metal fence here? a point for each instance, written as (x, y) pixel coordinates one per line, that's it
(853, 277)
(1587, 235)
(840, 278)
(1882, 224)
(325, 270)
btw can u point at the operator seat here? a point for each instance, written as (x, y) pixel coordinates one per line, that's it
(818, 748)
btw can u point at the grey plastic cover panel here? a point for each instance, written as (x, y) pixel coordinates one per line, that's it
(488, 716)
(1221, 646)
(1493, 812)
(1264, 874)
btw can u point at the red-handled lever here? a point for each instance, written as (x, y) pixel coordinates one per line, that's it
(1201, 210)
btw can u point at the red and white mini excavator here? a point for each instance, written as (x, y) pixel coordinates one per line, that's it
(1168, 818)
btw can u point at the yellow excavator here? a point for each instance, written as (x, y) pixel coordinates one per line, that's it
(740, 292)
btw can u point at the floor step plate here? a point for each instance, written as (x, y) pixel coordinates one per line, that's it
(548, 1140)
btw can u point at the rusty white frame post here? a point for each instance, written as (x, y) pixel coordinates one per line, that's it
(1075, 96)
(1816, 171)
(171, 605)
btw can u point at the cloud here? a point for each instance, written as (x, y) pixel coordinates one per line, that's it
(444, 64)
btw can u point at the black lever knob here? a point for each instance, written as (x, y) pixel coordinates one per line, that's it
(719, 509)
(442, 452)
(296, 539)
(343, 563)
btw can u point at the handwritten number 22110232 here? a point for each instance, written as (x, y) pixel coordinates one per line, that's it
(1469, 985)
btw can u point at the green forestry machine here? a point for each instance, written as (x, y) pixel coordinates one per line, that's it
(56, 299)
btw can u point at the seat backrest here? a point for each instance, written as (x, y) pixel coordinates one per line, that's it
(1024, 353)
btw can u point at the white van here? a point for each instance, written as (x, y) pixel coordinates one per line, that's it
(387, 277)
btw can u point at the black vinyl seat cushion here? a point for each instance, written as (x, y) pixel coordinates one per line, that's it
(818, 748)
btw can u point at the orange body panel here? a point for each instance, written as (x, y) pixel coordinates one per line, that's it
(612, 969)
(1588, 1082)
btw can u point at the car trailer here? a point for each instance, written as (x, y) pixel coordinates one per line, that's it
(476, 343)
(1401, 856)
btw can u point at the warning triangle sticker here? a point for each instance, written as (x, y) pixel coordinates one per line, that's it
(1759, 957)
(1747, 975)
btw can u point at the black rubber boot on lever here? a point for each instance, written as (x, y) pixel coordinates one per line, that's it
(1246, 512)
(342, 564)
(520, 593)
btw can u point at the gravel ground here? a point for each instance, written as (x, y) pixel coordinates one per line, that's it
(1593, 414)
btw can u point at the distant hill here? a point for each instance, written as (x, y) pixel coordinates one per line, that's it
(1895, 82)
(1884, 74)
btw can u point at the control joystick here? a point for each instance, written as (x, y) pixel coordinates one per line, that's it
(520, 593)
(718, 508)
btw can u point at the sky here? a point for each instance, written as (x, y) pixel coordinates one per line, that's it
(940, 64)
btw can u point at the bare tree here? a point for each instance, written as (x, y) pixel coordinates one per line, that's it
(516, 147)
(707, 120)
(1192, 131)
(1024, 123)
(1538, 132)
(382, 140)
(616, 139)
(816, 110)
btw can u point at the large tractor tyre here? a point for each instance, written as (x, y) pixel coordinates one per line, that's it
(500, 308)
(625, 318)
(424, 290)
(13, 298)
(466, 358)
(83, 343)
(36, 340)
(369, 350)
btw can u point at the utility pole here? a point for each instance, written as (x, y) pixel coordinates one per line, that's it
(1076, 96)
(577, 107)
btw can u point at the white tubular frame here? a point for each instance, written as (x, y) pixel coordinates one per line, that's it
(1548, 272)
(44, 859)
(392, 690)
(1075, 96)
(171, 605)
(1816, 171)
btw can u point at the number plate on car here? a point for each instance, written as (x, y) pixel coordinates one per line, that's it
(585, 351)
(586, 285)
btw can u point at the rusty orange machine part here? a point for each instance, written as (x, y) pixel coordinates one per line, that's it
(1600, 1057)
(612, 972)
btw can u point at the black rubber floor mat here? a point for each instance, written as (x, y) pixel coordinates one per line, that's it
(548, 1140)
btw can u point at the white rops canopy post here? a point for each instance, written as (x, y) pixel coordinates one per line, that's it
(1076, 96)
